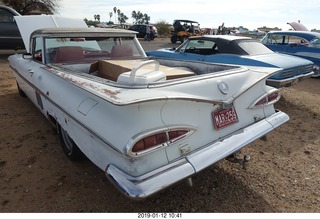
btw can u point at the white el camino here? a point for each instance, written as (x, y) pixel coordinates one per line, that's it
(148, 123)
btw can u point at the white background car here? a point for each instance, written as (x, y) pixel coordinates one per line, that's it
(147, 123)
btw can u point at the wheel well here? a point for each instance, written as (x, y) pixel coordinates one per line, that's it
(53, 120)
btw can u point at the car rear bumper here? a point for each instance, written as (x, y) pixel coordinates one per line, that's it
(152, 182)
(289, 81)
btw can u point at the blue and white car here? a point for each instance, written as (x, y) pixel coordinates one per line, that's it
(304, 44)
(244, 51)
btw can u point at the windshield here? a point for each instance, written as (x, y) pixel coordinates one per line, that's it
(315, 42)
(71, 49)
(196, 46)
(254, 48)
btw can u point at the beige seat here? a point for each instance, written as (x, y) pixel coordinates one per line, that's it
(119, 51)
(68, 53)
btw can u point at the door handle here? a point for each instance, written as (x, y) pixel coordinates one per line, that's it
(30, 71)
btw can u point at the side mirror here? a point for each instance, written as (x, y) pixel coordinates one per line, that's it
(27, 56)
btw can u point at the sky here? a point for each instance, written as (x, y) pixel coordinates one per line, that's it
(250, 14)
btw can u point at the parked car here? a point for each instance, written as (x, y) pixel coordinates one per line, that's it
(142, 30)
(148, 123)
(304, 44)
(236, 50)
(10, 37)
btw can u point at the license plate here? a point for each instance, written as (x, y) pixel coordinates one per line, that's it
(225, 117)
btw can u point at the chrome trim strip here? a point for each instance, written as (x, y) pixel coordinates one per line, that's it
(291, 81)
(150, 183)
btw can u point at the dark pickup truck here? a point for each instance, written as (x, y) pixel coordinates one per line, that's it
(10, 37)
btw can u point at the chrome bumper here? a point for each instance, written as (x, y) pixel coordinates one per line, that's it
(152, 182)
(289, 81)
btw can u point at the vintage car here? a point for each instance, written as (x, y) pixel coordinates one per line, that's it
(236, 50)
(148, 123)
(10, 37)
(304, 44)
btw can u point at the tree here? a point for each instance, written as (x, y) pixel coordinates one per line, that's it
(26, 7)
(110, 15)
(115, 15)
(122, 18)
(146, 19)
(138, 16)
(134, 15)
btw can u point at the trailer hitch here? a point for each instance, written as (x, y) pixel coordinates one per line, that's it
(234, 158)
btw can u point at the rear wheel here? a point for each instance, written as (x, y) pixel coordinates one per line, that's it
(174, 39)
(21, 92)
(68, 146)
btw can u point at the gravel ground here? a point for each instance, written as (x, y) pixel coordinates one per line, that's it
(282, 176)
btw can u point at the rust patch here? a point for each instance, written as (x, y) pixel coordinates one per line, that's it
(112, 94)
(94, 87)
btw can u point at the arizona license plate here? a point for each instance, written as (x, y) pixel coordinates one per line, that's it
(225, 117)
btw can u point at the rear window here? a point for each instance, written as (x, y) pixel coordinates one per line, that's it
(254, 48)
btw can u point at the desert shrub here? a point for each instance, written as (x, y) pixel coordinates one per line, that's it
(164, 28)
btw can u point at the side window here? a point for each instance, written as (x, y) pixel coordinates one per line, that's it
(141, 28)
(297, 40)
(135, 28)
(37, 49)
(278, 39)
(6, 16)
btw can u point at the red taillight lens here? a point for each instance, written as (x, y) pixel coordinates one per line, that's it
(149, 142)
(261, 102)
(175, 135)
(273, 97)
(158, 140)
(270, 98)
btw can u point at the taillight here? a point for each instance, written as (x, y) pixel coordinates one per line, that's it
(269, 98)
(158, 140)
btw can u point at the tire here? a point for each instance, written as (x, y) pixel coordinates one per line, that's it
(21, 92)
(70, 149)
(174, 39)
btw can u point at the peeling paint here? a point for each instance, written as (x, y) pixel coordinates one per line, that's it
(94, 87)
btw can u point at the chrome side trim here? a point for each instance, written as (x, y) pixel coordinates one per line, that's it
(150, 183)
(288, 81)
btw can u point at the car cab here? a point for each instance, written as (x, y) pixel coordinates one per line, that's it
(10, 37)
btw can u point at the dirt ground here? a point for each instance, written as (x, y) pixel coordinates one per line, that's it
(282, 176)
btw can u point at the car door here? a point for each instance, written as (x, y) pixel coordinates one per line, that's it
(190, 50)
(31, 68)
(10, 37)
